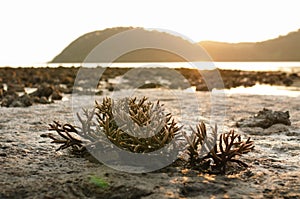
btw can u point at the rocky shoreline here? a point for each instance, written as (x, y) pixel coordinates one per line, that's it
(51, 83)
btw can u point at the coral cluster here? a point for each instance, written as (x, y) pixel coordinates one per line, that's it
(140, 126)
(137, 126)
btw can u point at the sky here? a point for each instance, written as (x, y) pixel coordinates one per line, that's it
(34, 31)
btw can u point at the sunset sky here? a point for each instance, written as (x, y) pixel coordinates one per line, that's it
(34, 31)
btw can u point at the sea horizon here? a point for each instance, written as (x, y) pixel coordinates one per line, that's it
(284, 66)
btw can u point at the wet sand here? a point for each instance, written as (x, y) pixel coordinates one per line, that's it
(30, 167)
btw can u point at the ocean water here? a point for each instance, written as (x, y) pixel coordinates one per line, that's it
(247, 66)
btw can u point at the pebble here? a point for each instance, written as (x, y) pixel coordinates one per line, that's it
(3, 154)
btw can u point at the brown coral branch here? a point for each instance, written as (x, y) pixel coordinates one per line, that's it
(124, 122)
(68, 140)
(229, 147)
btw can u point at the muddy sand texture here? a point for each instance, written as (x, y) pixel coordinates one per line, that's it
(30, 167)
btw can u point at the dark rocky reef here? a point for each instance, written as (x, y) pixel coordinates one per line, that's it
(44, 94)
(52, 83)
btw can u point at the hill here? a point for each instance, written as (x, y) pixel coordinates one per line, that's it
(78, 50)
(283, 48)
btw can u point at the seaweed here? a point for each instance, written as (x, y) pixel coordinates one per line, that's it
(99, 182)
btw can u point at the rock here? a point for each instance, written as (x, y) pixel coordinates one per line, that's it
(65, 90)
(247, 82)
(16, 103)
(6, 102)
(201, 87)
(56, 95)
(1, 92)
(294, 75)
(40, 100)
(288, 81)
(35, 99)
(100, 92)
(44, 100)
(276, 128)
(67, 80)
(10, 93)
(8, 99)
(110, 87)
(150, 85)
(16, 87)
(43, 90)
(23, 101)
(26, 100)
(265, 119)
(3, 155)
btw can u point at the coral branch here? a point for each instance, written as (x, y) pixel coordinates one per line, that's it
(68, 140)
(226, 150)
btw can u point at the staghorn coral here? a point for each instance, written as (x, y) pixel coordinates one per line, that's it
(198, 143)
(229, 148)
(135, 125)
(210, 155)
(140, 126)
(67, 139)
(86, 133)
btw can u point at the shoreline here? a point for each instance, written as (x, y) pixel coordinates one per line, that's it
(112, 72)
(53, 83)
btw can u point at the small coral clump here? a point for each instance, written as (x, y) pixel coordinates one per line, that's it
(134, 125)
(211, 155)
(138, 126)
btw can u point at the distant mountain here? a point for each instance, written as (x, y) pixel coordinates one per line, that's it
(78, 50)
(283, 48)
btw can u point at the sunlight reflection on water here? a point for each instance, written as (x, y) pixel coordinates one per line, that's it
(263, 89)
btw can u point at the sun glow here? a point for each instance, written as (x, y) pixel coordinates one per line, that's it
(35, 31)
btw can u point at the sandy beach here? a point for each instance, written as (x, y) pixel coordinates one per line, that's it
(30, 167)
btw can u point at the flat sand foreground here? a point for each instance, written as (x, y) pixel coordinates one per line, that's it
(30, 167)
